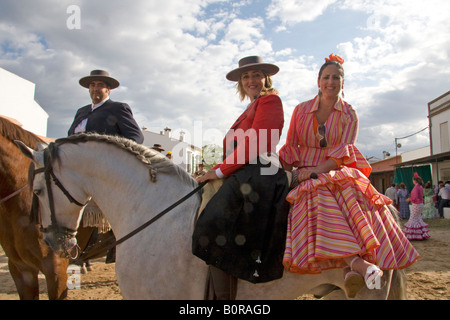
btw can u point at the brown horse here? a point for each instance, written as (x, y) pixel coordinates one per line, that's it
(20, 238)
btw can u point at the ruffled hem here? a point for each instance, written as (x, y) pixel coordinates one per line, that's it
(338, 215)
(416, 230)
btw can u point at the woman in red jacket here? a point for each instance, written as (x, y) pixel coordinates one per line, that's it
(242, 230)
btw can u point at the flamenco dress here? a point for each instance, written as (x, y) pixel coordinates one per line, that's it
(429, 208)
(416, 228)
(340, 214)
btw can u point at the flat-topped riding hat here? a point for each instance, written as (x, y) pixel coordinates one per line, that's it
(157, 147)
(252, 63)
(99, 75)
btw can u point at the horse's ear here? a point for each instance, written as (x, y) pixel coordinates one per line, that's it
(41, 146)
(28, 152)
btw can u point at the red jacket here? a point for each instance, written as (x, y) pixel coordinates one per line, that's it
(256, 131)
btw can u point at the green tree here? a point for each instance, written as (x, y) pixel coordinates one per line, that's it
(212, 155)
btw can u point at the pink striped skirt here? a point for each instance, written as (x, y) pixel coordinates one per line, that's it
(339, 215)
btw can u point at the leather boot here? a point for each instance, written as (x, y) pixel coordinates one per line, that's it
(222, 286)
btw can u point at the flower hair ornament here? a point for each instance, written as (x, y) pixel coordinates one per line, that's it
(334, 58)
(416, 175)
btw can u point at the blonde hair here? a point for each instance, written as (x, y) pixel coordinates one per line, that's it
(267, 89)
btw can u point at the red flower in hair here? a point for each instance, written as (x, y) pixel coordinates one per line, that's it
(416, 175)
(335, 57)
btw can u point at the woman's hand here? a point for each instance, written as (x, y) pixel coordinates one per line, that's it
(305, 174)
(210, 175)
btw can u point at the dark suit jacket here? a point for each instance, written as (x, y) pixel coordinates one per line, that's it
(111, 118)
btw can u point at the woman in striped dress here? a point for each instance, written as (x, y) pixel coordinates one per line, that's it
(338, 220)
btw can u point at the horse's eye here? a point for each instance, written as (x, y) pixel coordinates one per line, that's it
(37, 191)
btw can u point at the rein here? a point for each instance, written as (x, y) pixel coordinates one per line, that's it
(12, 195)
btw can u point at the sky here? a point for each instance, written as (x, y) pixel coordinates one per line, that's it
(171, 58)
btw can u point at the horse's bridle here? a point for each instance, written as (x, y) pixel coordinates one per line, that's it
(49, 176)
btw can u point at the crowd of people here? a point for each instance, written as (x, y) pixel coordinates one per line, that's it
(435, 199)
(423, 202)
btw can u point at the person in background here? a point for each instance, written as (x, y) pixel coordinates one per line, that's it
(415, 228)
(403, 195)
(391, 193)
(337, 218)
(429, 208)
(444, 194)
(200, 172)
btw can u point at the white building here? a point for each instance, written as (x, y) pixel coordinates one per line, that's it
(439, 150)
(17, 102)
(184, 154)
(439, 117)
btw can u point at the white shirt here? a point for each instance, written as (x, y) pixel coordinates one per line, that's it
(81, 127)
(445, 192)
(392, 194)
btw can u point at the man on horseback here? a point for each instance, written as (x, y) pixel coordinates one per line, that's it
(104, 116)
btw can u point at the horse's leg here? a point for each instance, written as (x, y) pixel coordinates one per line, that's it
(55, 270)
(26, 280)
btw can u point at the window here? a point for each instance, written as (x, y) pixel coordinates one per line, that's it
(445, 143)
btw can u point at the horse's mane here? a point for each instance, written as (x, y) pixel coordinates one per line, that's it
(153, 160)
(12, 131)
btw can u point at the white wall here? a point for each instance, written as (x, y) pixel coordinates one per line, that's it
(17, 101)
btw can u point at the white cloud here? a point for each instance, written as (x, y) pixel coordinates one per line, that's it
(295, 11)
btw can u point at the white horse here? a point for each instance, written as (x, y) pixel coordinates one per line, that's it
(131, 184)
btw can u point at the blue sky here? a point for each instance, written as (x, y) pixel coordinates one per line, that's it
(171, 58)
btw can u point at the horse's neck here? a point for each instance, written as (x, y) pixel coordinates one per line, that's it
(13, 165)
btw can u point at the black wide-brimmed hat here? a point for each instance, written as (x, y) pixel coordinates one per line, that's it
(99, 75)
(157, 147)
(252, 63)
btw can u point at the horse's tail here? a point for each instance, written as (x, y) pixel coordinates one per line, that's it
(398, 281)
(398, 286)
(394, 213)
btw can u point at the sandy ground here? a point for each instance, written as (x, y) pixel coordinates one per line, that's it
(428, 279)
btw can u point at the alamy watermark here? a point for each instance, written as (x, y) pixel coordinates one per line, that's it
(73, 277)
(73, 22)
(242, 146)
